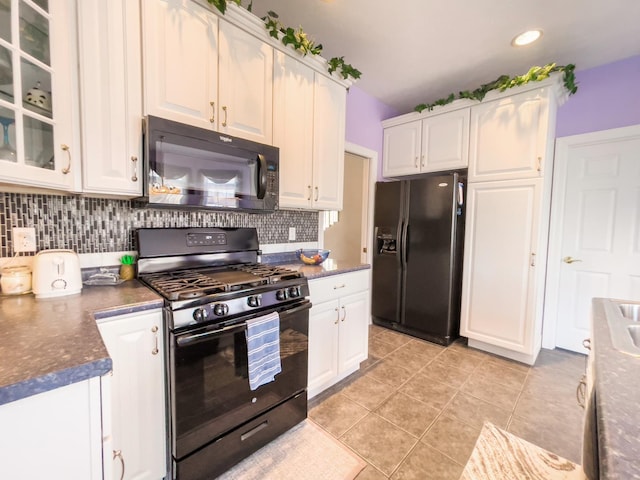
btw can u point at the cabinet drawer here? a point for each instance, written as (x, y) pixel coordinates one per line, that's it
(329, 288)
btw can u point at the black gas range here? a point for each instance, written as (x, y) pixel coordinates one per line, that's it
(213, 285)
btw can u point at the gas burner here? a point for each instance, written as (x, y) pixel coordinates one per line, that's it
(184, 284)
(274, 273)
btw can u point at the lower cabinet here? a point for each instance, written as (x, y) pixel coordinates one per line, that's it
(134, 413)
(54, 435)
(338, 328)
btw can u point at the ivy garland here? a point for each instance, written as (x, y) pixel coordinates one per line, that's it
(502, 83)
(297, 39)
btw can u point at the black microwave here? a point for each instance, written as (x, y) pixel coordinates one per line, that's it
(195, 168)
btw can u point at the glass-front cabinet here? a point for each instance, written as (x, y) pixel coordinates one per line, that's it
(38, 94)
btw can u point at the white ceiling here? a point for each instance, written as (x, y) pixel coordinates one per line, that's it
(416, 51)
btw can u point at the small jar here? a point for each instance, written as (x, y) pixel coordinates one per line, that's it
(15, 280)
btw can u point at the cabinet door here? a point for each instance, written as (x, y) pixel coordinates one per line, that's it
(180, 54)
(354, 336)
(329, 109)
(508, 138)
(445, 141)
(38, 95)
(135, 345)
(111, 96)
(498, 291)
(401, 149)
(323, 345)
(293, 129)
(246, 85)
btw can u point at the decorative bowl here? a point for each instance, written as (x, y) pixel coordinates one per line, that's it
(312, 257)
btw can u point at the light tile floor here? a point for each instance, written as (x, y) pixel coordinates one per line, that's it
(415, 409)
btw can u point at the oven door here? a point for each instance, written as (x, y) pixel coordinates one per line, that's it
(209, 382)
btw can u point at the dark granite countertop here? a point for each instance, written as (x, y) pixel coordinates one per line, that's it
(617, 386)
(50, 343)
(329, 267)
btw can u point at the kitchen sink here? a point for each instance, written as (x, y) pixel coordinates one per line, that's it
(630, 311)
(624, 324)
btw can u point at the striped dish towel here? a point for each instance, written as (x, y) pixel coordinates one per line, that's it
(263, 349)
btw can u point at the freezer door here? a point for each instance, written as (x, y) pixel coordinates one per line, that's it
(386, 267)
(429, 303)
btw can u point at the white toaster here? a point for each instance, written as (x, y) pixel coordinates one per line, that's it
(56, 273)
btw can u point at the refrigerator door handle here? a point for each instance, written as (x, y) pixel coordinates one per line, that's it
(405, 244)
(460, 194)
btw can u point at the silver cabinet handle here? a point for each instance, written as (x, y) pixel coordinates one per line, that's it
(154, 330)
(345, 313)
(213, 112)
(65, 148)
(570, 260)
(533, 259)
(118, 454)
(336, 287)
(581, 391)
(539, 168)
(337, 316)
(317, 194)
(422, 161)
(586, 343)
(224, 122)
(309, 187)
(416, 162)
(134, 160)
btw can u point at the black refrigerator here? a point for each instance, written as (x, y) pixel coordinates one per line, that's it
(417, 259)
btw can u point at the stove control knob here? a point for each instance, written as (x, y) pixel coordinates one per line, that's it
(254, 300)
(294, 292)
(281, 295)
(200, 314)
(220, 309)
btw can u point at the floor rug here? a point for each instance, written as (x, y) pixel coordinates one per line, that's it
(500, 455)
(306, 452)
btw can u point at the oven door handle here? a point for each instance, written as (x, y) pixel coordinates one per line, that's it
(201, 337)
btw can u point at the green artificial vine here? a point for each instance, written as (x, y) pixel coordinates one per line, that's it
(297, 39)
(504, 82)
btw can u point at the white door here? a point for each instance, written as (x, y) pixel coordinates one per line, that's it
(595, 249)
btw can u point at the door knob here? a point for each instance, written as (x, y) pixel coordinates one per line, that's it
(570, 260)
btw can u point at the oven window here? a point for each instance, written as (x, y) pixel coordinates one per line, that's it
(211, 393)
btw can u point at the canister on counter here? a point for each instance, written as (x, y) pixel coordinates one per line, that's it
(15, 280)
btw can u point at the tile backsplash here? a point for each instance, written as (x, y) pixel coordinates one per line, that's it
(95, 225)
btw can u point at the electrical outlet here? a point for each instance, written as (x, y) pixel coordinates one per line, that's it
(24, 240)
(292, 234)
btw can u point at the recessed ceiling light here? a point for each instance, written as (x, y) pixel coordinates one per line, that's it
(525, 38)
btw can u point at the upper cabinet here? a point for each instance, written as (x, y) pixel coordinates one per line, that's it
(180, 62)
(39, 94)
(434, 143)
(245, 88)
(309, 128)
(509, 137)
(205, 71)
(111, 96)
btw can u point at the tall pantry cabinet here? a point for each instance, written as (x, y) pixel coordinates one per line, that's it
(506, 233)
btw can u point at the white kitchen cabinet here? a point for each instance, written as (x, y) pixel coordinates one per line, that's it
(137, 395)
(180, 55)
(509, 137)
(501, 276)
(338, 328)
(39, 96)
(435, 143)
(54, 435)
(111, 96)
(329, 113)
(245, 85)
(293, 129)
(309, 128)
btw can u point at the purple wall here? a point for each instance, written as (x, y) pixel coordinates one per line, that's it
(608, 97)
(364, 116)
